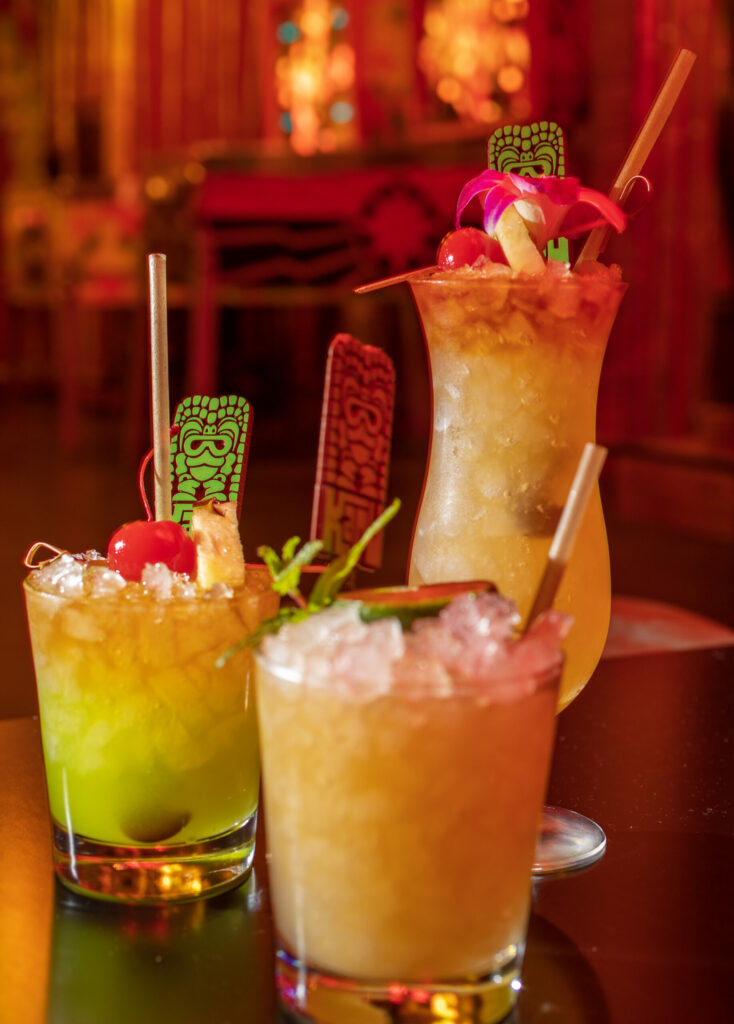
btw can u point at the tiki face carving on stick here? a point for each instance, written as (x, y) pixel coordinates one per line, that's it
(354, 450)
(532, 150)
(209, 451)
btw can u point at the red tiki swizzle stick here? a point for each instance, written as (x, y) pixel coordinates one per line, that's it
(354, 447)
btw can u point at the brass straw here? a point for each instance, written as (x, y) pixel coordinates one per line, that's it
(160, 411)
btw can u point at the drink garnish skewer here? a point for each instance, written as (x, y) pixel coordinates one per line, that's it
(630, 170)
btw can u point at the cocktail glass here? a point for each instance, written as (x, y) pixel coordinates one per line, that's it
(515, 365)
(401, 824)
(150, 750)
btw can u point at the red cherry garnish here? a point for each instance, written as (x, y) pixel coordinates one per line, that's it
(463, 247)
(140, 543)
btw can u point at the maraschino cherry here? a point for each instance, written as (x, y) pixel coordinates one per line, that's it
(463, 247)
(140, 543)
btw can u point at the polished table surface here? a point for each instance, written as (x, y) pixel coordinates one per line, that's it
(645, 935)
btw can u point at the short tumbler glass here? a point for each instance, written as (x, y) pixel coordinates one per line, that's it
(151, 753)
(401, 830)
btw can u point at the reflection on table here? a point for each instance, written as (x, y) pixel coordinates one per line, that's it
(204, 961)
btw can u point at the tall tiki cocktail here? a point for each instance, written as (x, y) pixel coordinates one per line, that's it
(515, 361)
(526, 340)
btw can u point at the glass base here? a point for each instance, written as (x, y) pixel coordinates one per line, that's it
(311, 995)
(154, 874)
(567, 842)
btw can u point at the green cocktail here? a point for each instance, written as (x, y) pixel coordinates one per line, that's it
(150, 749)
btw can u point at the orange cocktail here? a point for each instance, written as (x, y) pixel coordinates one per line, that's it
(402, 797)
(515, 361)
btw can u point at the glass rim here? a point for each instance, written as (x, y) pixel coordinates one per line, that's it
(130, 598)
(453, 279)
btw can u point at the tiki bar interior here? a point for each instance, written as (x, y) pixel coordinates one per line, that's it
(236, 214)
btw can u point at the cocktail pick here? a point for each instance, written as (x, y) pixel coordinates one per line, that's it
(385, 282)
(642, 144)
(537, 150)
(209, 450)
(354, 447)
(586, 476)
(531, 150)
(160, 410)
(631, 168)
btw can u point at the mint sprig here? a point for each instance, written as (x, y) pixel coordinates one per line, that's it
(286, 570)
(333, 578)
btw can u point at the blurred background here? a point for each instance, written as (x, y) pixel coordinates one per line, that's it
(280, 152)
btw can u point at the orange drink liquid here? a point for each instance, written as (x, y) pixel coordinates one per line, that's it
(515, 363)
(401, 827)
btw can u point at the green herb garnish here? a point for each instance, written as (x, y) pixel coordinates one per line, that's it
(286, 570)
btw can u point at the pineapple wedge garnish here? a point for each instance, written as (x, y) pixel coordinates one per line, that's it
(216, 533)
(520, 250)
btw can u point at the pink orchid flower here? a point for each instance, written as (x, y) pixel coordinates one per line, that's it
(553, 207)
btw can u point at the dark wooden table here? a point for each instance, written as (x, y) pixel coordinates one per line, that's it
(643, 936)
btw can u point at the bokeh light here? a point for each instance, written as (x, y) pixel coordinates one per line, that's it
(475, 55)
(314, 78)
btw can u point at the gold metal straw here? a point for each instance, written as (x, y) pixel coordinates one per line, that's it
(160, 410)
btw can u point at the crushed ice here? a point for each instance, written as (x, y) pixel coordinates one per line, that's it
(103, 581)
(157, 579)
(472, 641)
(64, 575)
(88, 574)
